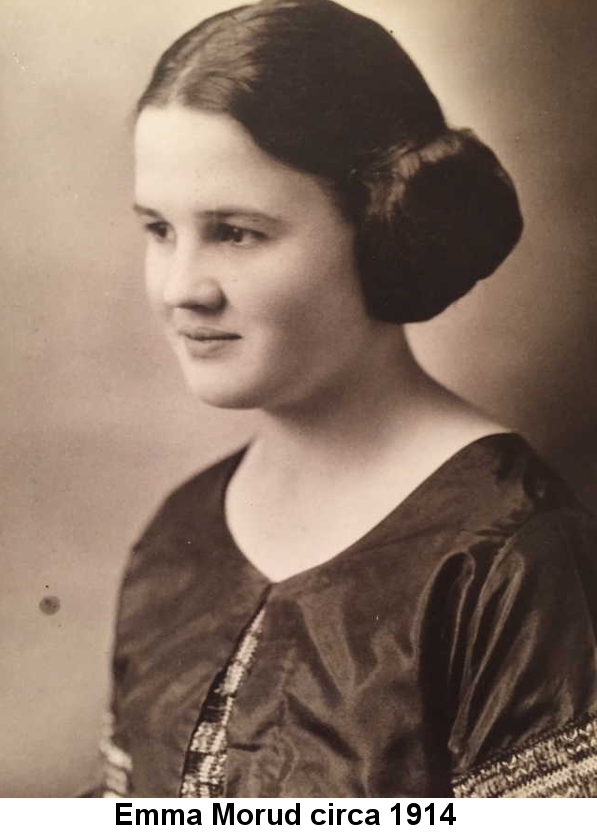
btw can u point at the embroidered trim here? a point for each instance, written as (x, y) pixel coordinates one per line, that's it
(560, 764)
(118, 765)
(204, 770)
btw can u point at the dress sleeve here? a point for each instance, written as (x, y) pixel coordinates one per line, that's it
(117, 763)
(523, 672)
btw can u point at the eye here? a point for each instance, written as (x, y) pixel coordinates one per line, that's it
(237, 235)
(159, 230)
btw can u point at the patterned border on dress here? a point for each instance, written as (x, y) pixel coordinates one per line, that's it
(204, 770)
(118, 765)
(562, 763)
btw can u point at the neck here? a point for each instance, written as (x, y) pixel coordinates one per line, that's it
(357, 414)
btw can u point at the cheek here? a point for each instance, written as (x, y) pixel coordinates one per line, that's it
(278, 303)
(303, 286)
(153, 281)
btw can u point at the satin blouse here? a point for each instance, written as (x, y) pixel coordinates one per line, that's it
(450, 650)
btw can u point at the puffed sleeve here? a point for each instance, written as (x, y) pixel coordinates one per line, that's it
(523, 674)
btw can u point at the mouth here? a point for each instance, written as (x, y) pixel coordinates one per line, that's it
(207, 334)
(202, 343)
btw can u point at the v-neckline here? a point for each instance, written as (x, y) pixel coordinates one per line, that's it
(361, 543)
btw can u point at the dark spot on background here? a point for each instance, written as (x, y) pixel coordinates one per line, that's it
(49, 605)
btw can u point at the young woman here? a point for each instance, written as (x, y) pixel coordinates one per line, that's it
(386, 593)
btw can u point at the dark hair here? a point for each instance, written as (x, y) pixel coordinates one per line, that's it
(331, 93)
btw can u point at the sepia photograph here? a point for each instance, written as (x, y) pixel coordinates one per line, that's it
(299, 421)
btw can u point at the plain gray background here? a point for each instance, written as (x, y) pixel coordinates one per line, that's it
(96, 424)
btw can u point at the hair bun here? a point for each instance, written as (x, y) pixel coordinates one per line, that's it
(440, 218)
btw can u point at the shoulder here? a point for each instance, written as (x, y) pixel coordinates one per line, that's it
(192, 503)
(516, 544)
(501, 489)
(493, 504)
(187, 527)
(529, 510)
(516, 548)
(177, 551)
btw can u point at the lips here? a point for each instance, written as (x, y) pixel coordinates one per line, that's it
(202, 343)
(207, 334)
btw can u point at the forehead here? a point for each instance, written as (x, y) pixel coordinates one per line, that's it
(184, 155)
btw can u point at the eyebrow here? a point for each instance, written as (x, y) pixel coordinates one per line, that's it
(138, 209)
(224, 213)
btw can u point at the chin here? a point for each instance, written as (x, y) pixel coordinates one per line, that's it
(222, 396)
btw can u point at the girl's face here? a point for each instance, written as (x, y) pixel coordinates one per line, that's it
(249, 265)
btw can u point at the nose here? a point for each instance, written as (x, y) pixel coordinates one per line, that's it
(191, 281)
